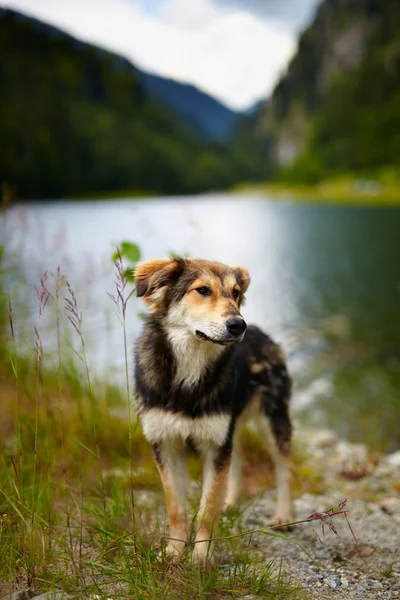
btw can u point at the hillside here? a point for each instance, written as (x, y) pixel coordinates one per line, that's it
(202, 113)
(76, 119)
(337, 108)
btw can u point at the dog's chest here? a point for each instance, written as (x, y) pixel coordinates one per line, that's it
(192, 356)
(162, 426)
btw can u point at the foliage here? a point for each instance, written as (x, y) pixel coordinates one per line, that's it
(130, 252)
(74, 119)
(341, 110)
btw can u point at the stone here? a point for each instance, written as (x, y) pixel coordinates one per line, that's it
(20, 595)
(332, 583)
(325, 439)
(364, 550)
(394, 459)
(391, 506)
(344, 582)
(352, 453)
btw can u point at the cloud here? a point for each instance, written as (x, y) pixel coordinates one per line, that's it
(233, 55)
(294, 12)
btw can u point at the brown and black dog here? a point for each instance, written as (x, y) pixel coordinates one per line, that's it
(201, 374)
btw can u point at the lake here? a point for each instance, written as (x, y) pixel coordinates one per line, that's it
(325, 284)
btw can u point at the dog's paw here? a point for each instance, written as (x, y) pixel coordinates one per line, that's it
(175, 549)
(281, 522)
(202, 554)
(228, 508)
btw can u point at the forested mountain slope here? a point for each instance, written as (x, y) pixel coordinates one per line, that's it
(202, 113)
(338, 105)
(77, 119)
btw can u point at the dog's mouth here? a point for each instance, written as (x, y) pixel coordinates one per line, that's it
(205, 338)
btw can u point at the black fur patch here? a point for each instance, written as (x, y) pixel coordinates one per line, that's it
(255, 365)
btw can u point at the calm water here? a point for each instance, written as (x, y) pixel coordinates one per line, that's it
(325, 284)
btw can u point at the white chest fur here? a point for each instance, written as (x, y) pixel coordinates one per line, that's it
(161, 426)
(192, 355)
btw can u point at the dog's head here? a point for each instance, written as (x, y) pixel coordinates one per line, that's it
(200, 296)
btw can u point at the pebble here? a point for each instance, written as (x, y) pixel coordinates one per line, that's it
(325, 439)
(25, 594)
(394, 459)
(344, 581)
(390, 506)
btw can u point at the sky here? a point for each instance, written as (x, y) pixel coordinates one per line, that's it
(234, 50)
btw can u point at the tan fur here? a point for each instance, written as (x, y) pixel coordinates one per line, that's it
(151, 276)
(173, 473)
(243, 276)
(214, 483)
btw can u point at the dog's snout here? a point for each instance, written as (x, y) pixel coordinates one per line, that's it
(236, 326)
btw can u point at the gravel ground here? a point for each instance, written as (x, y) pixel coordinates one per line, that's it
(344, 569)
(364, 570)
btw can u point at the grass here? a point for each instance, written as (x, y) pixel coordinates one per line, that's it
(382, 188)
(80, 499)
(125, 194)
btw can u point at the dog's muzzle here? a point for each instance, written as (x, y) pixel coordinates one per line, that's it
(235, 329)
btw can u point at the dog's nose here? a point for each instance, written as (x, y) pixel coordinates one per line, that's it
(236, 326)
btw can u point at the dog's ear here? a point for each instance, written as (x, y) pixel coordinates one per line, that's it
(152, 278)
(242, 277)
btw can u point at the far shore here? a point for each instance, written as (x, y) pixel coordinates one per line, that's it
(362, 192)
(343, 191)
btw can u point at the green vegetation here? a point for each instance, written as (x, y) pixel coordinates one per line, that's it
(337, 108)
(74, 119)
(381, 187)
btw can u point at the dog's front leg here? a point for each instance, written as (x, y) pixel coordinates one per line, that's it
(216, 468)
(171, 462)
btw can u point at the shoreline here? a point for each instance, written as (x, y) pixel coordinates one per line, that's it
(330, 192)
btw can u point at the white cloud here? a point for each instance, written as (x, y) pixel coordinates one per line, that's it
(294, 12)
(232, 55)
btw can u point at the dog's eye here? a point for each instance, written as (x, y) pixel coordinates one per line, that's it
(235, 294)
(203, 291)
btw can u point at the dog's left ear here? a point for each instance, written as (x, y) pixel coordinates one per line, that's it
(152, 278)
(242, 277)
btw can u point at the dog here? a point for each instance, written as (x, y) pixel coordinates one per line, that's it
(201, 373)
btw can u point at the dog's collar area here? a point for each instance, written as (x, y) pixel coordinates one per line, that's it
(202, 336)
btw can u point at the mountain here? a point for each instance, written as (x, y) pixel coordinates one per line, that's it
(75, 119)
(254, 108)
(201, 112)
(338, 105)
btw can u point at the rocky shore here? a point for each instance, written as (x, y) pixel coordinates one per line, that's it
(358, 569)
